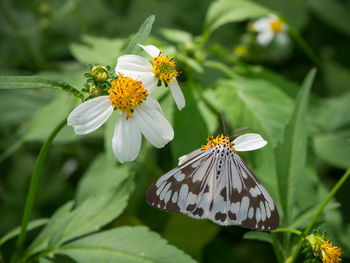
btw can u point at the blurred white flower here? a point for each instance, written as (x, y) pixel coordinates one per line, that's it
(269, 28)
(140, 113)
(161, 69)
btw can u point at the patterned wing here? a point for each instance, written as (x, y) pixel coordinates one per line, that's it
(178, 190)
(240, 199)
(216, 185)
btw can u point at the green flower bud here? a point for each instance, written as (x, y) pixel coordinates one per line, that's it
(94, 91)
(99, 73)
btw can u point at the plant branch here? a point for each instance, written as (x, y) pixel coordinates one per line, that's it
(318, 213)
(33, 189)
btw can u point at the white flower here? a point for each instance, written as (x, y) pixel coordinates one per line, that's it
(243, 143)
(271, 27)
(140, 113)
(161, 69)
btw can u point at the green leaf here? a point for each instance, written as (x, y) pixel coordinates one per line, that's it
(254, 103)
(90, 216)
(189, 126)
(98, 50)
(335, 13)
(290, 154)
(101, 176)
(42, 240)
(35, 82)
(333, 113)
(177, 36)
(334, 148)
(200, 231)
(43, 121)
(15, 232)
(124, 244)
(140, 36)
(305, 217)
(256, 235)
(337, 77)
(222, 12)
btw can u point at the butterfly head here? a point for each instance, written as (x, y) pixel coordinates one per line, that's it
(219, 140)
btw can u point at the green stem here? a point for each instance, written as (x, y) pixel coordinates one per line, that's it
(33, 188)
(290, 230)
(305, 46)
(314, 219)
(205, 36)
(276, 247)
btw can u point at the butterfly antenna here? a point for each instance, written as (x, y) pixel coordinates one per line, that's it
(238, 131)
(223, 122)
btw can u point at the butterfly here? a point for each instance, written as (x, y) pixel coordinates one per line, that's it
(215, 183)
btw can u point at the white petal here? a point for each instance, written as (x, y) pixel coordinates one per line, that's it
(151, 50)
(177, 94)
(90, 115)
(127, 138)
(149, 81)
(264, 38)
(156, 129)
(249, 142)
(186, 157)
(152, 102)
(262, 24)
(133, 63)
(137, 68)
(282, 39)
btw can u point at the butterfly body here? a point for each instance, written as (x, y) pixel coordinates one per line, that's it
(216, 184)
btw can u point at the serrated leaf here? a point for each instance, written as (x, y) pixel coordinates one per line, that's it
(141, 36)
(93, 213)
(290, 154)
(222, 12)
(88, 217)
(98, 50)
(36, 82)
(200, 231)
(256, 235)
(15, 232)
(124, 244)
(42, 240)
(254, 103)
(101, 176)
(334, 148)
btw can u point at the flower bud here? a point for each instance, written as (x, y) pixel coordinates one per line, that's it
(94, 91)
(99, 73)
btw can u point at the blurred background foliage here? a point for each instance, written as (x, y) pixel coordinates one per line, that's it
(56, 39)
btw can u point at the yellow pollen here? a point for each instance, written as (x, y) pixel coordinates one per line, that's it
(163, 68)
(276, 25)
(126, 93)
(330, 254)
(220, 139)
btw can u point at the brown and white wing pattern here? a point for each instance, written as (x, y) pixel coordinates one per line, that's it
(217, 185)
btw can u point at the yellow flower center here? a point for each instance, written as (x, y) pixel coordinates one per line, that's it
(276, 25)
(220, 139)
(330, 254)
(126, 93)
(163, 68)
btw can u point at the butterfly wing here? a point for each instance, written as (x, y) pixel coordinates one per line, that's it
(241, 199)
(217, 186)
(177, 191)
